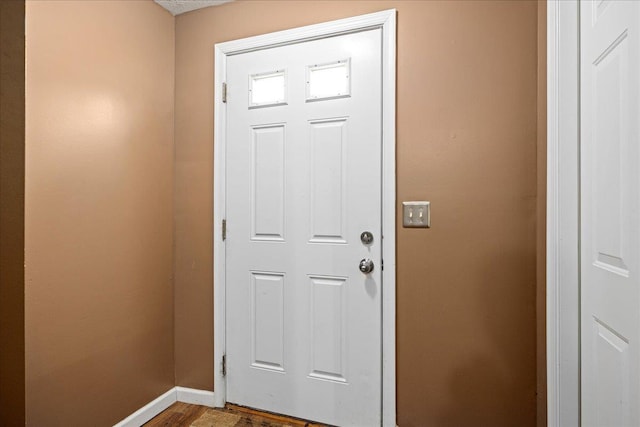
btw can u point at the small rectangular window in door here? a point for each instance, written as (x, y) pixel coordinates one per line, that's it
(329, 81)
(268, 89)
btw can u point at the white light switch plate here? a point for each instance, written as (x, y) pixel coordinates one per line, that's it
(416, 214)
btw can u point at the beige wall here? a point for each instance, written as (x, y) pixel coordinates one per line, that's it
(466, 140)
(12, 212)
(99, 210)
(100, 169)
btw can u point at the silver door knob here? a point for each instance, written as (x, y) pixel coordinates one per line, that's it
(366, 237)
(366, 266)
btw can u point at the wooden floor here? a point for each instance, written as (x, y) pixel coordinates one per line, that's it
(178, 414)
(184, 414)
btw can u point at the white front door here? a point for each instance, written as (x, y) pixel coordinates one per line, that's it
(303, 174)
(610, 210)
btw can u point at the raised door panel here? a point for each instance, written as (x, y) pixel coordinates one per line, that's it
(328, 181)
(611, 356)
(267, 182)
(328, 329)
(267, 321)
(611, 181)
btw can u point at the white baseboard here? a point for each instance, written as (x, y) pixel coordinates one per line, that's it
(176, 394)
(196, 397)
(149, 410)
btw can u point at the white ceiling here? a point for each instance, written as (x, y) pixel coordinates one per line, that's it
(176, 7)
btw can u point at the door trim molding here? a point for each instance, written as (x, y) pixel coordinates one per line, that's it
(385, 20)
(563, 214)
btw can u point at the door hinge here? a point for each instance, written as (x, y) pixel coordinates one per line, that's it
(224, 92)
(381, 265)
(224, 365)
(224, 229)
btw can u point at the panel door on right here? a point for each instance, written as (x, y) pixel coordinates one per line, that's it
(610, 213)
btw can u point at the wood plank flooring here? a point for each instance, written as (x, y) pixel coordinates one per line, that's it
(178, 414)
(184, 414)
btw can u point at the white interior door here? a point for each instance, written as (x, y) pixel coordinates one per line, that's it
(610, 209)
(303, 174)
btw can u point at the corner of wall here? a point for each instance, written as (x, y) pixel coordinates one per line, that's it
(173, 219)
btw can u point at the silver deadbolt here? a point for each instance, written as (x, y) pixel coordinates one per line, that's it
(366, 266)
(366, 237)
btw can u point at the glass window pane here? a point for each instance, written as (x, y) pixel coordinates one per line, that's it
(328, 80)
(267, 89)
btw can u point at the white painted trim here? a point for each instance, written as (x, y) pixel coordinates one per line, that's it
(310, 32)
(149, 410)
(386, 20)
(563, 227)
(159, 404)
(195, 397)
(219, 213)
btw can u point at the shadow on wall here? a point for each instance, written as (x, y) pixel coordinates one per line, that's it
(487, 388)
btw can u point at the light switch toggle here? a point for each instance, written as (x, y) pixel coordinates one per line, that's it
(416, 214)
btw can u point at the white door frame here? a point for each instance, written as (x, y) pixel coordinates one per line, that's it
(385, 20)
(563, 213)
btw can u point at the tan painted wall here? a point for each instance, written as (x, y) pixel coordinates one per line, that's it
(12, 213)
(99, 210)
(466, 141)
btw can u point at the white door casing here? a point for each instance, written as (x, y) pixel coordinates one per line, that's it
(563, 228)
(295, 280)
(610, 208)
